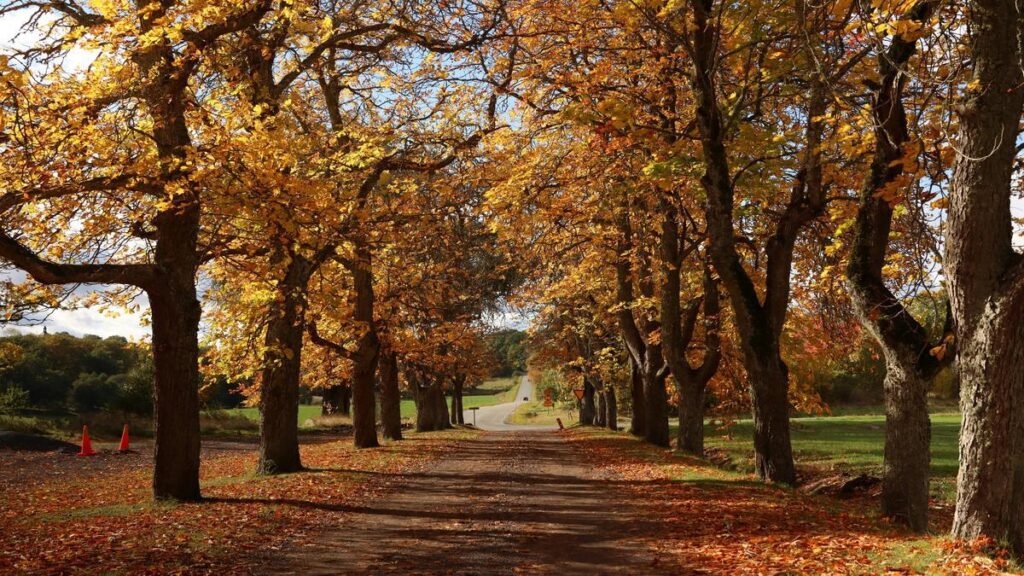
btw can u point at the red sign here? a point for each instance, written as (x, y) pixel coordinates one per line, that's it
(578, 392)
(548, 402)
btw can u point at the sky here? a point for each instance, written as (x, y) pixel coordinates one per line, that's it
(86, 320)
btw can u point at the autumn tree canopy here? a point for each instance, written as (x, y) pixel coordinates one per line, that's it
(695, 201)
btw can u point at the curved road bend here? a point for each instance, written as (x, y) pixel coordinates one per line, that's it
(493, 418)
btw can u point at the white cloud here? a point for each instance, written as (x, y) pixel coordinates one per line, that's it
(91, 321)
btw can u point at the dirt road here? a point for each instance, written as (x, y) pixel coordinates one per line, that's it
(503, 503)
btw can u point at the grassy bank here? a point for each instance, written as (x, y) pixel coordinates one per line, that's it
(536, 413)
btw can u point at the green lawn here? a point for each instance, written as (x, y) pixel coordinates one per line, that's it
(494, 391)
(306, 411)
(846, 443)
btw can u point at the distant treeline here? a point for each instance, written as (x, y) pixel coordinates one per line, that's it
(509, 350)
(65, 373)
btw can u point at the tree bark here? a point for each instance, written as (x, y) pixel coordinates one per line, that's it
(985, 277)
(773, 453)
(367, 351)
(337, 400)
(690, 436)
(636, 394)
(444, 416)
(175, 313)
(457, 409)
(600, 411)
(431, 408)
(390, 397)
(345, 406)
(173, 300)
(611, 409)
(282, 364)
(587, 409)
(907, 445)
(656, 411)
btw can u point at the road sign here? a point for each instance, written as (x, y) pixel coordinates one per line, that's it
(578, 392)
(548, 402)
(473, 409)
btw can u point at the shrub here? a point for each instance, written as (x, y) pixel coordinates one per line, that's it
(13, 400)
(134, 392)
(92, 392)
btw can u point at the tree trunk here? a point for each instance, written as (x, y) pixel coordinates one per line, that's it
(175, 323)
(587, 408)
(426, 409)
(444, 416)
(282, 363)
(364, 405)
(758, 324)
(773, 453)
(174, 305)
(690, 436)
(644, 349)
(345, 404)
(332, 400)
(985, 278)
(907, 445)
(431, 408)
(909, 367)
(175, 315)
(990, 484)
(638, 418)
(656, 397)
(390, 397)
(364, 361)
(462, 408)
(677, 329)
(601, 412)
(457, 415)
(611, 409)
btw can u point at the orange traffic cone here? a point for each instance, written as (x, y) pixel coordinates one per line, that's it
(124, 440)
(86, 443)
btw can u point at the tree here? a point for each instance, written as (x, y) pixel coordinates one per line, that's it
(910, 362)
(985, 277)
(130, 170)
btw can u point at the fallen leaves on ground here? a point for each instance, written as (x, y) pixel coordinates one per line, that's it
(68, 515)
(722, 522)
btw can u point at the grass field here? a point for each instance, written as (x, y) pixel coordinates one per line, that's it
(846, 443)
(235, 422)
(495, 391)
(537, 414)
